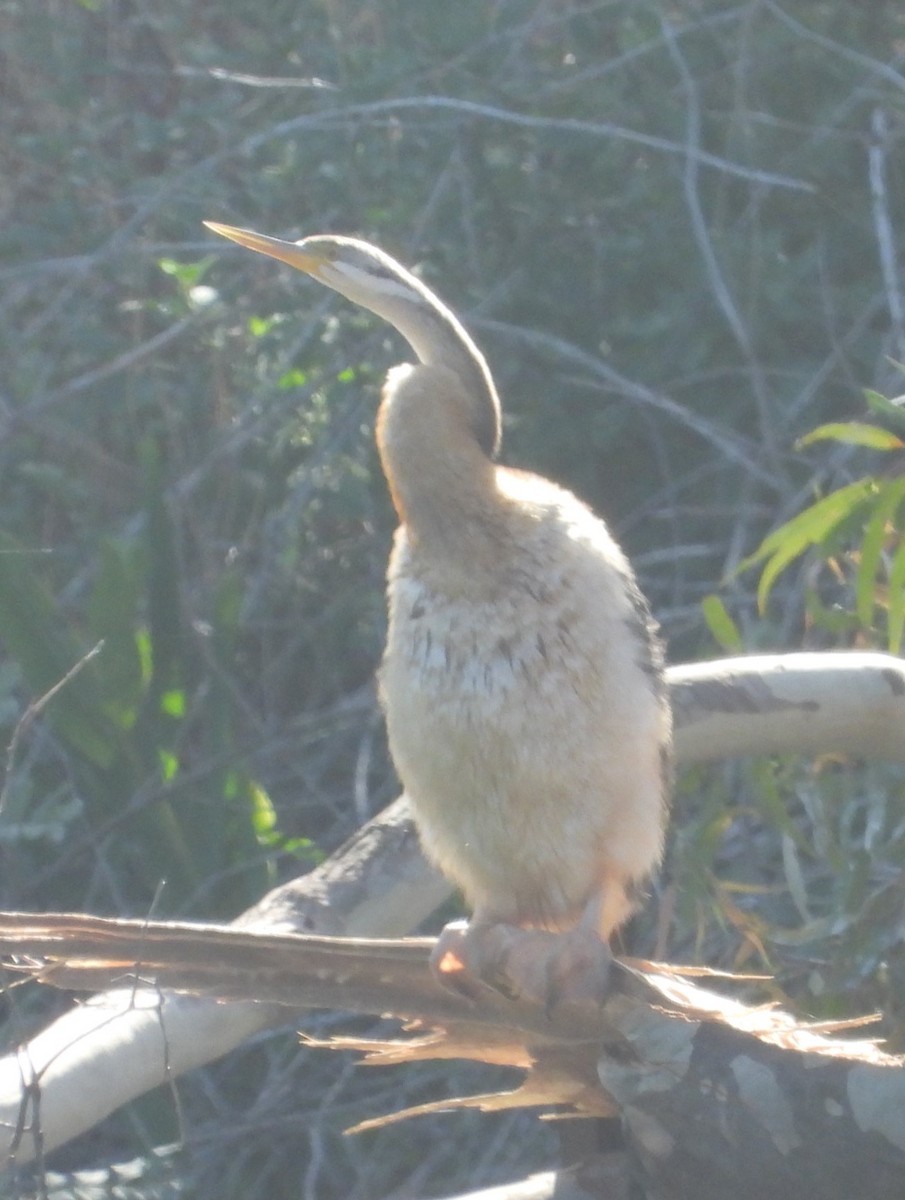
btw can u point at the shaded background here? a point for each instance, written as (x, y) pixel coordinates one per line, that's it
(672, 228)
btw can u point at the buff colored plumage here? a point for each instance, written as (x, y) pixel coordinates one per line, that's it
(522, 679)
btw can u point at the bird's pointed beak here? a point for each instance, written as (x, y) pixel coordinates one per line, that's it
(296, 254)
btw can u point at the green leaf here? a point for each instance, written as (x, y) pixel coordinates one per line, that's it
(259, 326)
(169, 765)
(810, 528)
(896, 617)
(303, 849)
(771, 802)
(163, 575)
(854, 433)
(720, 623)
(832, 618)
(112, 614)
(145, 652)
(263, 814)
(892, 410)
(876, 533)
(187, 275)
(172, 703)
(293, 378)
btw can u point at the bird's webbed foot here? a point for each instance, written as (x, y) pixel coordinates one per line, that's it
(544, 968)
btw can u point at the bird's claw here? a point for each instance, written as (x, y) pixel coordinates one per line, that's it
(453, 964)
(548, 969)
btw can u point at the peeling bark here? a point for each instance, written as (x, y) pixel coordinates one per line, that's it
(727, 1114)
(717, 1098)
(114, 1049)
(849, 703)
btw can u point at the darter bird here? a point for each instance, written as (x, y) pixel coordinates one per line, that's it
(522, 679)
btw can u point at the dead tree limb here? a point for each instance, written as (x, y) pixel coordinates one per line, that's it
(848, 703)
(718, 1098)
(127, 1041)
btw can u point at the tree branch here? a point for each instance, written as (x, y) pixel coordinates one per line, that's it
(127, 1041)
(788, 1108)
(819, 703)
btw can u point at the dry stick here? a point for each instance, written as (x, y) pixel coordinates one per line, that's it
(539, 124)
(33, 711)
(886, 242)
(783, 1103)
(873, 66)
(114, 366)
(123, 1043)
(719, 285)
(732, 446)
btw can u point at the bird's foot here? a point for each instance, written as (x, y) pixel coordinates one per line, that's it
(548, 969)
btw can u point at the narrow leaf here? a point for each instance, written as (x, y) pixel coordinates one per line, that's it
(896, 618)
(892, 410)
(810, 528)
(824, 511)
(720, 623)
(854, 433)
(875, 535)
(112, 613)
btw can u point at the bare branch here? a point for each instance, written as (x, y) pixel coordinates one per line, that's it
(886, 244)
(873, 66)
(849, 703)
(719, 285)
(129, 1040)
(34, 710)
(598, 372)
(780, 1098)
(488, 112)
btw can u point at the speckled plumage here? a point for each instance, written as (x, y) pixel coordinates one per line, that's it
(522, 679)
(522, 685)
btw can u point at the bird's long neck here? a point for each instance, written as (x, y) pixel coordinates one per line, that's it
(442, 482)
(439, 340)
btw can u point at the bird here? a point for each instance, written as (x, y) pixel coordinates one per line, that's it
(522, 679)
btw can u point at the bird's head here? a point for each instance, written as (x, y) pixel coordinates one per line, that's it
(367, 276)
(359, 271)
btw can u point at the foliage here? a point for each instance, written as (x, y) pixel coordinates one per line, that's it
(672, 229)
(828, 912)
(855, 531)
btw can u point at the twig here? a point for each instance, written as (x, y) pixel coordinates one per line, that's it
(718, 283)
(873, 65)
(733, 447)
(33, 711)
(879, 196)
(121, 362)
(489, 112)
